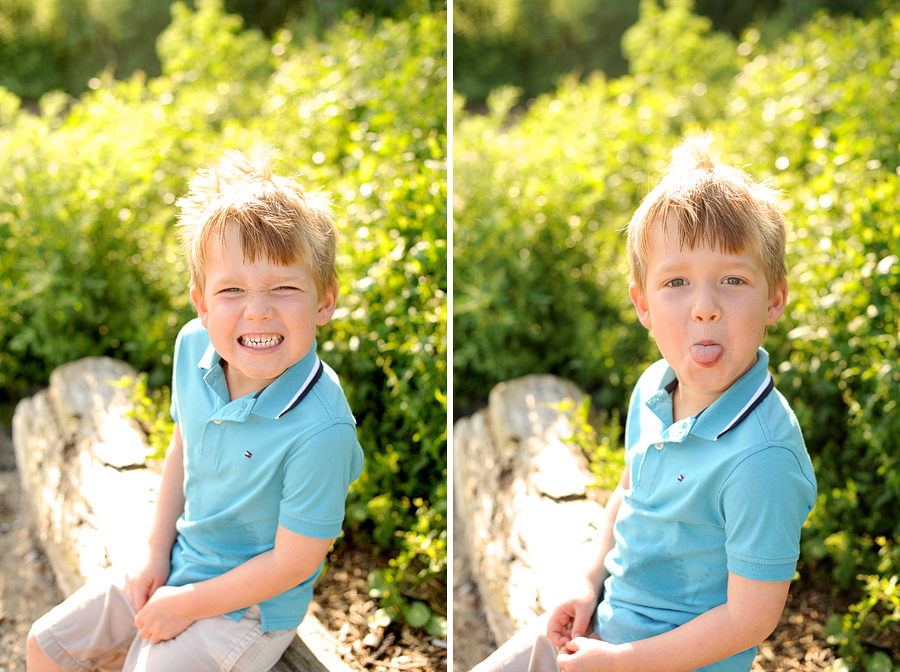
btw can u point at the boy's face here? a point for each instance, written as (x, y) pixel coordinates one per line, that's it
(261, 316)
(708, 310)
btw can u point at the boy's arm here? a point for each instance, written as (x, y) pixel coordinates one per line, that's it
(751, 613)
(292, 561)
(571, 619)
(169, 508)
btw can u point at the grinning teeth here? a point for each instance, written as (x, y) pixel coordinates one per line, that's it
(260, 341)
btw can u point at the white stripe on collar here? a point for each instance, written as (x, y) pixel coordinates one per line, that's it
(311, 380)
(761, 393)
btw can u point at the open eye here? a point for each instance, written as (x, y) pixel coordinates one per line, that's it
(733, 281)
(677, 282)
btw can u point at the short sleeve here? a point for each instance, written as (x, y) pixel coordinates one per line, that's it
(765, 502)
(317, 477)
(173, 408)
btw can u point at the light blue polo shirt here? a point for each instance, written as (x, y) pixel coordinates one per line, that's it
(286, 455)
(727, 490)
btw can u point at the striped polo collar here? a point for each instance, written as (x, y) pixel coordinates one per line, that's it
(305, 387)
(725, 413)
(279, 397)
(738, 402)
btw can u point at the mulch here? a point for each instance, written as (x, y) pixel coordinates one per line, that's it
(799, 642)
(343, 606)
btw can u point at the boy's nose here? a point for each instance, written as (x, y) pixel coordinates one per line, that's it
(258, 305)
(704, 307)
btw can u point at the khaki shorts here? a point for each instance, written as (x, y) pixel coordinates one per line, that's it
(94, 630)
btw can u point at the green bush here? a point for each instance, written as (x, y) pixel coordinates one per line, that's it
(539, 205)
(531, 44)
(534, 44)
(48, 45)
(90, 263)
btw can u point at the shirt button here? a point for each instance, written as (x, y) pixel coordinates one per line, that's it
(660, 446)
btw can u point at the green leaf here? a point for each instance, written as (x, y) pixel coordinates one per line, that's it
(377, 583)
(834, 629)
(437, 627)
(880, 662)
(417, 614)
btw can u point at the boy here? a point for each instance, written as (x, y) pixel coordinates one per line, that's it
(263, 452)
(700, 541)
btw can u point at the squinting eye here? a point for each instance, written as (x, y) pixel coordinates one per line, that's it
(733, 281)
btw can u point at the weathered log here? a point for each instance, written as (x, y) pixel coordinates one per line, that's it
(522, 497)
(81, 460)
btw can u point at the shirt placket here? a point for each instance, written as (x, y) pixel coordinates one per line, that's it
(214, 441)
(668, 434)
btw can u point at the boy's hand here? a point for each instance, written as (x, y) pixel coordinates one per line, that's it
(572, 618)
(152, 577)
(587, 655)
(163, 618)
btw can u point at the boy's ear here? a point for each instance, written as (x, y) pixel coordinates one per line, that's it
(777, 303)
(640, 304)
(327, 304)
(200, 304)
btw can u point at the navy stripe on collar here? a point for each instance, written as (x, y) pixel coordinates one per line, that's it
(308, 384)
(761, 393)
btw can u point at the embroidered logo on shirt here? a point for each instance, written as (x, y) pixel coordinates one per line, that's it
(681, 478)
(248, 454)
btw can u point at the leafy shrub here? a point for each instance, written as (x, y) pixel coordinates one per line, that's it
(151, 410)
(534, 44)
(818, 113)
(48, 45)
(531, 44)
(90, 263)
(600, 440)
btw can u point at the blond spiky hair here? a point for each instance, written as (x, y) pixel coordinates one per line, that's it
(715, 205)
(276, 218)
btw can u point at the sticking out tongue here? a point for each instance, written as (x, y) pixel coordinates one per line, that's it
(706, 355)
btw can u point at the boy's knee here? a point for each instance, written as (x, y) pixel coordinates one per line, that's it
(35, 658)
(31, 644)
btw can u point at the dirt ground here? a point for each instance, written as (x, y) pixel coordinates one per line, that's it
(27, 587)
(472, 637)
(28, 590)
(342, 604)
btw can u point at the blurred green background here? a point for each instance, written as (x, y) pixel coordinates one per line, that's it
(533, 44)
(549, 167)
(111, 106)
(48, 45)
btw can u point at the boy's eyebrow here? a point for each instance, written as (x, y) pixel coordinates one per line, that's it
(729, 263)
(278, 279)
